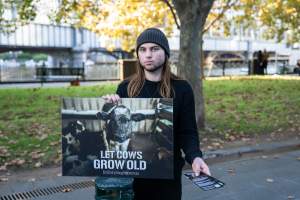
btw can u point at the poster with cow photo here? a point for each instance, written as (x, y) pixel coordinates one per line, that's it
(133, 138)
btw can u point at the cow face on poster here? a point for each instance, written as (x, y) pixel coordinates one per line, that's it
(118, 125)
(130, 139)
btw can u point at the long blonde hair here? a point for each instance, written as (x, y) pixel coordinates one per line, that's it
(137, 81)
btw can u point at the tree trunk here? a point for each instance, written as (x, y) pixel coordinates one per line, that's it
(192, 15)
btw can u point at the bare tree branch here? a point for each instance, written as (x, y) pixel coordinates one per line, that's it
(224, 9)
(173, 13)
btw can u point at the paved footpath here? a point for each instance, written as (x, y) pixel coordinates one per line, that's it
(271, 177)
(263, 177)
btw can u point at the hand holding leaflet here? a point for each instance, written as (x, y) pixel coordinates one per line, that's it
(204, 181)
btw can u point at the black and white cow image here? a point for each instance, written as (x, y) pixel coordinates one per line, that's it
(70, 137)
(79, 147)
(83, 136)
(118, 125)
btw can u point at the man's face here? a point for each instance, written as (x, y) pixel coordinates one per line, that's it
(151, 56)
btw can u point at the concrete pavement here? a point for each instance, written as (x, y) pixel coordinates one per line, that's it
(274, 175)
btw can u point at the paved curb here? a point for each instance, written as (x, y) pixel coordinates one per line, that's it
(88, 192)
(258, 148)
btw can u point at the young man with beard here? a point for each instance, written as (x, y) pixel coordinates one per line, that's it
(153, 79)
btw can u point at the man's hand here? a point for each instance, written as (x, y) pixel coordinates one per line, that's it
(200, 166)
(111, 98)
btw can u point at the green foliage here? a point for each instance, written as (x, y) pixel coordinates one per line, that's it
(39, 56)
(25, 12)
(125, 19)
(116, 20)
(4, 56)
(25, 56)
(278, 19)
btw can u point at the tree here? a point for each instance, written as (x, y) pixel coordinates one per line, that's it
(21, 12)
(192, 15)
(276, 19)
(279, 19)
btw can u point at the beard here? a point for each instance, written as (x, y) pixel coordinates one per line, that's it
(154, 69)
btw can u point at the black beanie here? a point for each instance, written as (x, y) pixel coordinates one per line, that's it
(153, 35)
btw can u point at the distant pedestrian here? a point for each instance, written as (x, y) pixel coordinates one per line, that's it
(265, 57)
(258, 63)
(297, 68)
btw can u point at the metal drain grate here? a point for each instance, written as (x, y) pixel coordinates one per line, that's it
(48, 191)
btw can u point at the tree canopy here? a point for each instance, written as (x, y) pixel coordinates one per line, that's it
(116, 20)
(124, 20)
(14, 13)
(276, 19)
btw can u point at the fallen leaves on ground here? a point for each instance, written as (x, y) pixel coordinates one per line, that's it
(231, 171)
(42, 137)
(38, 164)
(54, 143)
(3, 168)
(12, 142)
(36, 155)
(3, 152)
(3, 179)
(244, 139)
(217, 145)
(16, 162)
(210, 147)
(231, 138)
(57, 160)
(269, 180)
(67, 190)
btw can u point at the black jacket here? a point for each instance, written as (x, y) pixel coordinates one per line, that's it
(184, 121)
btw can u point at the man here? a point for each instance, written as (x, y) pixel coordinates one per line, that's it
(153, 79)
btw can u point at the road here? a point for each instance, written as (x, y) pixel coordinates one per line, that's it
(266, 177)
(275, 177)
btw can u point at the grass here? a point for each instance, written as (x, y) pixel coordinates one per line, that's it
(247, 107)
(30, 118)
(30, 123)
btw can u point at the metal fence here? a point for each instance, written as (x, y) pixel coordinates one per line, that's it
(102, 71)
(111, 71)
(21, 73)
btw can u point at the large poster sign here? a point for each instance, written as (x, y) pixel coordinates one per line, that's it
(133, 138)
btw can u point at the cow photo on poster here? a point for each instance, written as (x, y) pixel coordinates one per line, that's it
(133, 138)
